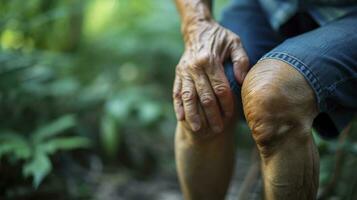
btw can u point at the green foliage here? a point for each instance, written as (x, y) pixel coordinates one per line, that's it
(53, 128)
(15, 145)
(110, 135)
(111, 64)
(337, 160)
(42, 143)
(38, 167)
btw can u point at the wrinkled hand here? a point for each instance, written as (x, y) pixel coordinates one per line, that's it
(200, 80)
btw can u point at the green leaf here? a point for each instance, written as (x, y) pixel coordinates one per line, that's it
(64, 143)
(14, 144)
(110, 135)
(119, 107)
(54, 128)
(63, 87)
(149, 112)
(38, 167)
(6, 135)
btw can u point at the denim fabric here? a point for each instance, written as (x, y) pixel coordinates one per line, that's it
(326, 56)
(279, 11)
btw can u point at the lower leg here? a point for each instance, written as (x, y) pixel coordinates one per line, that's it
(204, 164)
(291, 170)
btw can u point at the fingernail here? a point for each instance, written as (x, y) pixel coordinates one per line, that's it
(243, 75)
(196, 125)
(179, 117)
(217, 129)
(181, 114)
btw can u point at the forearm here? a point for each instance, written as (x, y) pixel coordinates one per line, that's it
(193, 11)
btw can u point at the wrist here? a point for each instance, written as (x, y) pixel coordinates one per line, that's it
(196, 12)
(192, 22)
(195, 28)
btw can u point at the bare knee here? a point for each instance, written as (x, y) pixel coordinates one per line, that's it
(278, 104)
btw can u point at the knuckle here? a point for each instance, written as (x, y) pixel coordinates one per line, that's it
(190, 116)
(188, 95)
(244, 60)
(207, 100)
(237, 39)
(182, 65)
(178, 70)
(194, 69)
(202, 59)
(176, 94)
(221, 89)
(187, 126)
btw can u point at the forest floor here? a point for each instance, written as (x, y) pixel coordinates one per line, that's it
(165, 186)
(101, 183)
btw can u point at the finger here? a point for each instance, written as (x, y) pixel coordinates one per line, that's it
(221, 89)
(176, 95)
(240, 61)
(189, 98)
(208, 101)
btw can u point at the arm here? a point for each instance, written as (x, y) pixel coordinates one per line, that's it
(195, 10)
(200, 79)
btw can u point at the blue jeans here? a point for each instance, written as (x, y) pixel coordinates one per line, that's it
(325, 55)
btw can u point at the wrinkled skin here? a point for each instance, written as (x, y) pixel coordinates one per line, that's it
(280, 106)
(200, 79)
(278, 103)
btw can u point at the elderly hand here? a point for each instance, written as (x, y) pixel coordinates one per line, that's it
(200, 77)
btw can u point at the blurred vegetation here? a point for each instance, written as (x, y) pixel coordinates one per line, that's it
(91, 76)
(89, 82)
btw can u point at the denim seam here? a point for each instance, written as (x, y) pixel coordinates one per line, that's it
(332, 87)
(302, 68)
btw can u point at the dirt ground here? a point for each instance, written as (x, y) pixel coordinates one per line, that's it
(165, 186)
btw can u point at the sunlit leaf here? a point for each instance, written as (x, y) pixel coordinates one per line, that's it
(149, 112)
(11, 39)
(119, 107)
